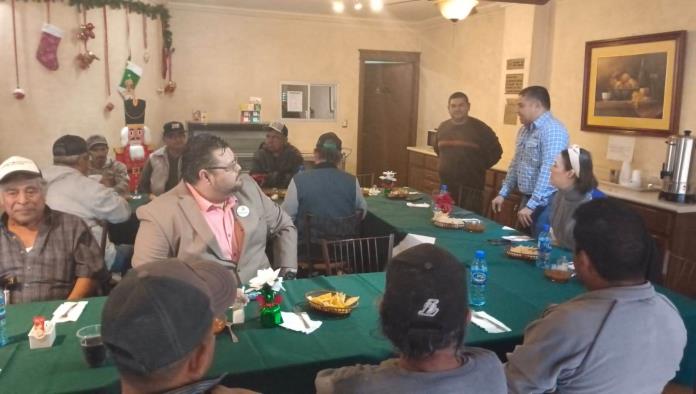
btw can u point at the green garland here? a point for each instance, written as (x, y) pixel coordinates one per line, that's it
(149, 10)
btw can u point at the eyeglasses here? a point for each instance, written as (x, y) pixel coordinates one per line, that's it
(229, 168)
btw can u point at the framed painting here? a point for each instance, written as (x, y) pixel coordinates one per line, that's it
(633, 85)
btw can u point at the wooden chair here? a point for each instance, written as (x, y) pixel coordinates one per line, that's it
(470, 199)
(366, 180)
(317, 228)
(681, 275)
(357, 255)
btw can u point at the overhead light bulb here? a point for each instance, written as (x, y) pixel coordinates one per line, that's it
(338, 6)
(357, 6)
(456, 10)
(376, 5)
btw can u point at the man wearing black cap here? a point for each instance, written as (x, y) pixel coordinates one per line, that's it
(324, 190)
(163, 168)
(71, 191)
(158, 326)
(109, 172)
(51, 255)
(621, 336)
(277, 160)
(424, 313)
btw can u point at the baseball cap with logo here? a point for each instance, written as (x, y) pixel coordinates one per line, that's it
(278, 127)
(425, 293)
(162, 311)
(173, 127)
(69, 145)
(17, 164)
(96, 139)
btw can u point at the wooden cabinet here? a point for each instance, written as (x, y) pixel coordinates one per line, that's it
(422, 172)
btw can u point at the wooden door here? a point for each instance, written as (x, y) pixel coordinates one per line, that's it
(388, 114)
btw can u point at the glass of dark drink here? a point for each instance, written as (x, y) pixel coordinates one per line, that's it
(93, 348)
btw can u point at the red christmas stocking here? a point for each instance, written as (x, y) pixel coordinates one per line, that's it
(48, 46)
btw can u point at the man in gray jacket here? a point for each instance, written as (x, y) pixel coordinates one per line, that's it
(619, 337)
(216, 214)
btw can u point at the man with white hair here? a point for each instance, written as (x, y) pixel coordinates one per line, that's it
(48, 254)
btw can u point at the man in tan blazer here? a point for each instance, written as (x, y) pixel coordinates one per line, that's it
(217, 214)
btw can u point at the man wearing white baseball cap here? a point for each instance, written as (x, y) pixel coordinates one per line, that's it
(50, 254)
(276, 161)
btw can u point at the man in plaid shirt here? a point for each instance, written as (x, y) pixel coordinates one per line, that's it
(51, 254)
(539, 141)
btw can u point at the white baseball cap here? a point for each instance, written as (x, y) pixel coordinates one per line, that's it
(17, 164)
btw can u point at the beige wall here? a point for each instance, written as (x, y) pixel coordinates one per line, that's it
(578, 21)
(223, 56)
(68, 100)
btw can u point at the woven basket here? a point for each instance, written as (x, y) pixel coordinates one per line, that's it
(520, 256)
(466, 226)
(328, 309)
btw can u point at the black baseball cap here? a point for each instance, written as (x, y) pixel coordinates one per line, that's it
(69, 145)
(426, 289)
(329, 141)
(173, 127)
(161, 311)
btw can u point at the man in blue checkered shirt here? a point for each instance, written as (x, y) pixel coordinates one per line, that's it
(539, 141)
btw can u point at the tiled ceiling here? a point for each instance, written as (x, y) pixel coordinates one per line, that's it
(412, 11)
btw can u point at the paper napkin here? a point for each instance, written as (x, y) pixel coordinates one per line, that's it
(419, 205)
(488, 322)
(73, 310)
(518, 238)
(292, 321)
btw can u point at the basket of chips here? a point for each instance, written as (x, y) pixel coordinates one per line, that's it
(329, 301)
(443, 220)
(398, 193)
(523, 252)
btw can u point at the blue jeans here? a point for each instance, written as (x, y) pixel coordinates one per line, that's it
(540, 216)
(122, 261)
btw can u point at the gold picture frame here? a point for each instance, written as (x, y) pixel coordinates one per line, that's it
(633, 85)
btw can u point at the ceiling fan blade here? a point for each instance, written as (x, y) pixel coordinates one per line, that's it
(533, 2)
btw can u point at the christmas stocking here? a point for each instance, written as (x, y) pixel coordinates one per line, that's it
(48, 46)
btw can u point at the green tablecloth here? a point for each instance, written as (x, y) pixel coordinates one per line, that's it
(281, 361)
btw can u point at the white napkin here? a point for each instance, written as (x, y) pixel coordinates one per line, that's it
(419, 205)
(488, 322)
(518, 238)
(506, 228)
(75, 310)
(293, 322)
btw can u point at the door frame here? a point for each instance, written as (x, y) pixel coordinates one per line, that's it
(389, 56)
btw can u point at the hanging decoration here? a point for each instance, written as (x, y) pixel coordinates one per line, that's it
(18, 93)
(107, 75)
(85, 33)
(146, 53)
(47, 53)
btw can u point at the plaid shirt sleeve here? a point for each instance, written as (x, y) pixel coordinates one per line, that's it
(511, 178)
(553, 139)
(89, 262)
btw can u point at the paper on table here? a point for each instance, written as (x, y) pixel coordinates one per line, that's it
(419, 205)
(292, 321)
(506, 228)
(488, 322)
(73, 309)
(411, 240)
(518, 238)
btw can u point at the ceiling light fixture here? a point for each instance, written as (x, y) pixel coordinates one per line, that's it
(338, 6)
(357, 5)
(456, 10)
(376, 5)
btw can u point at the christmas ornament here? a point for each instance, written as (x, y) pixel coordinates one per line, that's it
(18, 93)
(146, 53)
(130, 78)
(86, 32)
(84, 60)
(109, 105)
(46, 54)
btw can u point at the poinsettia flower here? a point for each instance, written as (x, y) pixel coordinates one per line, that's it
(266, 276)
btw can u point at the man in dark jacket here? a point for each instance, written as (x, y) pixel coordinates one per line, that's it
(277, 161)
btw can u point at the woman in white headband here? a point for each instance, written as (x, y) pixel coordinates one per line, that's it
(572, 175)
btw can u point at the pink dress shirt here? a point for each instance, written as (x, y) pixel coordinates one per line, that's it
(221, 222)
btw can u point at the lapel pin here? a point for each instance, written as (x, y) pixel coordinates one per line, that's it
(243, 211)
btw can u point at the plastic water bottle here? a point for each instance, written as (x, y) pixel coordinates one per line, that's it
(544, 248)
(479, 277)
(3, 322)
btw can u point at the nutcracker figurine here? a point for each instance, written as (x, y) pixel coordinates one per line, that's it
(135, 138)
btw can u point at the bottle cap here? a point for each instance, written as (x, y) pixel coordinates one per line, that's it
(443, 188)
(546, 228)
(480, 254)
